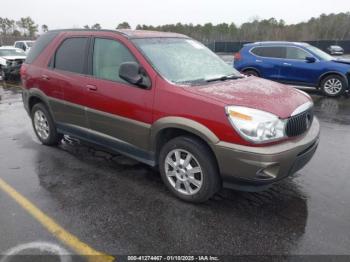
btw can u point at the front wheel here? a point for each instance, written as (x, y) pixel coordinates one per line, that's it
(44, 126)
(189, 170)
(333, 85)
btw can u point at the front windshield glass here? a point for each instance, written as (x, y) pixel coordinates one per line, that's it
(11, 52)
(322, 55)
(182, 60)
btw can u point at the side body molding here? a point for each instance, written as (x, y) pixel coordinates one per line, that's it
(183, 123)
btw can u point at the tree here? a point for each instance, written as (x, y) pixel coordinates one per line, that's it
(28, 26)
(86, 27)
(124, 25)
(96, 26)
(6, 25)
(44, 28)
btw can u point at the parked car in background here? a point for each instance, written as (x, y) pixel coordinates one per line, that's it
(297, 64)
(169, 102)
(335, 50)
(11, 59)
(25, 45)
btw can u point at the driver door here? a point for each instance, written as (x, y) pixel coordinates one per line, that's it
(114, 107)
(296, 69)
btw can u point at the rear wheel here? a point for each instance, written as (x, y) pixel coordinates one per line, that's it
(333, 85)
(251, 72)
(44, 126)
(188, 169)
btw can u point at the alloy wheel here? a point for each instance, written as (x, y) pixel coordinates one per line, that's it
(333, 86)
(183, 172)
(41, 125)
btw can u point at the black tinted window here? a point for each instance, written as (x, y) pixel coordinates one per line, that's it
(270, 51)
(70, 56)
(40, 44)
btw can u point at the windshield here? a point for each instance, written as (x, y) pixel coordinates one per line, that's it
(186, 61)
(321, 55)
(11, 52)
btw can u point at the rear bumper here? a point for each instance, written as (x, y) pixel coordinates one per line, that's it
(255, 168)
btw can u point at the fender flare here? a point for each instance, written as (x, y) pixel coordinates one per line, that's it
(182, 123)
(37, 93)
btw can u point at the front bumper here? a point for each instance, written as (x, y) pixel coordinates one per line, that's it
(255, 168)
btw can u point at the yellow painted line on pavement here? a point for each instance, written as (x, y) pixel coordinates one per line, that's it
(59, 232)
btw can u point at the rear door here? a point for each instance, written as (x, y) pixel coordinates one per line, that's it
(67, 77)
(296, 69)
(114, 107)
(268, 60)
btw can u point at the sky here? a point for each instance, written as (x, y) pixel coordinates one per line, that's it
(109, 13)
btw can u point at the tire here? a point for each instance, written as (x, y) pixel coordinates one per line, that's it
(195, 181)
(44, 126)
(251, 72)
(333, 85)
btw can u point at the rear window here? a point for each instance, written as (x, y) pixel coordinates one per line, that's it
(70, 56)
(39, 46)
(270, 51)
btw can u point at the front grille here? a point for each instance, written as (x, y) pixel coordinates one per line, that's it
(300, 123)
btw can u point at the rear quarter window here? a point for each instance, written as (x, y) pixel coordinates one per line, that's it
(40, 44)
(269, 51)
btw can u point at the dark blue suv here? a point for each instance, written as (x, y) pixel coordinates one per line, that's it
(296, 64)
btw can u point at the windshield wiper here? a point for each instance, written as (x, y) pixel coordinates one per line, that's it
(224, 78)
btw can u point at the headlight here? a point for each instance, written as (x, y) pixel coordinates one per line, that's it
(255, 125)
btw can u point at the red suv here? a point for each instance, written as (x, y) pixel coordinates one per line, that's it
(168, 101)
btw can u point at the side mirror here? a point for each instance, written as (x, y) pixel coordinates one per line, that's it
(310, 59)
(132, 73)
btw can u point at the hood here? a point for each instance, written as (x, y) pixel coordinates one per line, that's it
(342, 61)
(254, 92)
(14, 57)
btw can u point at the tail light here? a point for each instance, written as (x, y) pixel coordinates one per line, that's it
(23, 70)
(23, 74)
(237, 56)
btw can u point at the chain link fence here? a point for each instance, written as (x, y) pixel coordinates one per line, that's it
(10, 40)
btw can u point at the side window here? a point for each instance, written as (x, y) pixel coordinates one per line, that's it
(270, 51)
(296, 53)
(18, 45)
(107, 58)
(71, 54)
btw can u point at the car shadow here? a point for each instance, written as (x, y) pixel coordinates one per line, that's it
(122, 200)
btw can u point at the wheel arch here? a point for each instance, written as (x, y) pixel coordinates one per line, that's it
(251, 68)
(34, 96)
(326, 74)
(170, 127)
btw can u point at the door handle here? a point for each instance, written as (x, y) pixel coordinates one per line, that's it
(45, 77)
(287, 64)
(91, 87)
